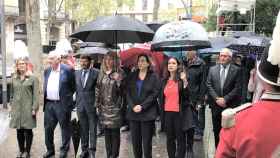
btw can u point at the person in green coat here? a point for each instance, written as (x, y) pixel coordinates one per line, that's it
(24, 106)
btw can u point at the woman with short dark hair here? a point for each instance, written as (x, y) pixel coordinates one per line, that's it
(142, 92)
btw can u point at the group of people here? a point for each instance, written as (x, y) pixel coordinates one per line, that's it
(104, 94)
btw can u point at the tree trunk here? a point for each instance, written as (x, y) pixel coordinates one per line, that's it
(186, 7)
(34, 35)
(51, 19)
(155, 10)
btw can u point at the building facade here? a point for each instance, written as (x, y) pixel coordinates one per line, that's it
(60, 27)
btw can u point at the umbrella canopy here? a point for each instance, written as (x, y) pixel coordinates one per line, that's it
(180, 35)
(114, 29)
(129, 57)
(218, 43)
(92, 49)
(250, 44)
(177, 54)
(154, 26)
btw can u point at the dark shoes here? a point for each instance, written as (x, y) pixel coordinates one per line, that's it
(63, 155)
(26, 155)
(91, 154)
(19, 154)
(48, 154)
(100, 134)
(84, 155)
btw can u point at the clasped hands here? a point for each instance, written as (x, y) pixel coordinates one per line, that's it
(137, 108)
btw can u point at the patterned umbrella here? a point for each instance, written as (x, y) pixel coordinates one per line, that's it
(179, 36)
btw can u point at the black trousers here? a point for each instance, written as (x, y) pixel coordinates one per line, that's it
(24, 138)
(176, 137)
(53, 114)
(216, 120)
(88, 128)
(112, 142)
(142, 135)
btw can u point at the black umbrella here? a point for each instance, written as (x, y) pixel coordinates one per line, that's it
(76, 136)
(154, 26)
(250, 44)
(114, 29)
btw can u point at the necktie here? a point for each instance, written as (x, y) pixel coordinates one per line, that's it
(223, 77)
(84, 73)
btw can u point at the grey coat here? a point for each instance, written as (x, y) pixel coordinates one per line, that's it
(24, 99)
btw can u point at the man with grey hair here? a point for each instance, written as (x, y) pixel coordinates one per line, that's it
(223, 83)
(59, 86)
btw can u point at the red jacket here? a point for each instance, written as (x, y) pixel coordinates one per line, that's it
(256, 133)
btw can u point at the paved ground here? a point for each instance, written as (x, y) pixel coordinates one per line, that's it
(8, 148)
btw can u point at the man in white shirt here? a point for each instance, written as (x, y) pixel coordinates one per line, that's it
(59, 86)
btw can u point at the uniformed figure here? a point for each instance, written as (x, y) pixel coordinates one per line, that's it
(254, 132)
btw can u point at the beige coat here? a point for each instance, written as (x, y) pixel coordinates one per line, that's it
(24, 99)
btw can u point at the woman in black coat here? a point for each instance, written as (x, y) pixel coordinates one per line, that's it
(174, 102)
(142, 91)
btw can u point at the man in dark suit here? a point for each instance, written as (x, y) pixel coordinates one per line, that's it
(223, 83)
(59, 86)
(85, 97)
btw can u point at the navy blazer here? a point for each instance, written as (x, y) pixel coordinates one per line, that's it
(85, 96)
(66, 86)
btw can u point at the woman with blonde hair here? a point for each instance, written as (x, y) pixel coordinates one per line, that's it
(109, 102)
(24, 105)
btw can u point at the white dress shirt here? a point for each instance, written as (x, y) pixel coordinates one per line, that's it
(53, 84)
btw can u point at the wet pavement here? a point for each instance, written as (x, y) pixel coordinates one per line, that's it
(8, 149)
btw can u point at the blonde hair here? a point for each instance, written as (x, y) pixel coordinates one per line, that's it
(16, 64)
(115, 67)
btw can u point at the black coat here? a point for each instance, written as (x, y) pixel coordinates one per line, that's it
(231, 90)
(147, 98)
(184, 104)
(196, 80)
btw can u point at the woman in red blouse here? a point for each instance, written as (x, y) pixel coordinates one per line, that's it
(174, 105)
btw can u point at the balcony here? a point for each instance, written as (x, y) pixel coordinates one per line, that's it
(59, 15)
(11, 10)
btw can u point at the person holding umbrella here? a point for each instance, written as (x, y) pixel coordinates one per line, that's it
(108, 101)
(175, 106)
(141, 95)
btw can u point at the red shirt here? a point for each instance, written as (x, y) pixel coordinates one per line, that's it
(171, 93)
(256, 133)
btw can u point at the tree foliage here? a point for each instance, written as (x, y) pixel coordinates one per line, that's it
(87, 10)
(266, 13)
(211, 23)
